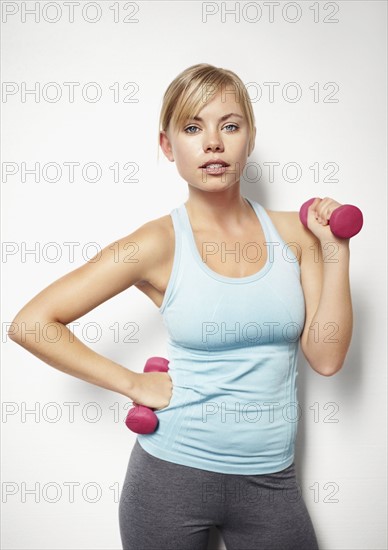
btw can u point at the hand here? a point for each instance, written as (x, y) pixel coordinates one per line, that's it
(152, 389)
(318, 216)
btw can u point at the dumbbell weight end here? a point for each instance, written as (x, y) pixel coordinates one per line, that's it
(345, 221)
(141, 419)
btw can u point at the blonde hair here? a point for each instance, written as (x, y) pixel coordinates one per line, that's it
(195, 87)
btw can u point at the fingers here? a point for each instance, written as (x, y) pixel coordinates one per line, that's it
(323, 208)
(314, 208)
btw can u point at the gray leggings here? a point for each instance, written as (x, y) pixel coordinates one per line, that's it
(168, 506)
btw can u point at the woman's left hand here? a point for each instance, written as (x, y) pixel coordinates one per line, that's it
(318, 217)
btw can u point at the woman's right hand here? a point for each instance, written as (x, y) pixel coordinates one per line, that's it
(152, 389)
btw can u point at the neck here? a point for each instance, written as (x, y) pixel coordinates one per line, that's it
(218, 210)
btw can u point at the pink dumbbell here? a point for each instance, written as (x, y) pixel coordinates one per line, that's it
(141, 419)
(345, 221)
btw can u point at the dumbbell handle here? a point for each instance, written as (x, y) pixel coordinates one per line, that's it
(345, 221)
(141, 419)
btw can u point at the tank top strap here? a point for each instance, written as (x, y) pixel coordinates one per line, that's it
(187, 253)
(188, 250)
(182, 224)
(266, 221)
(182, 231)
(182, 257)
(280, 247)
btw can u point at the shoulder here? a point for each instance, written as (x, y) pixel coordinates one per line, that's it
(292, 231)
(155, 243)
(157, 230)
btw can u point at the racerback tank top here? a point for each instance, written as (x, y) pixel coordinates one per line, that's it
(232, 351)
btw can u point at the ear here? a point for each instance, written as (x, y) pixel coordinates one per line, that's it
(165, 144)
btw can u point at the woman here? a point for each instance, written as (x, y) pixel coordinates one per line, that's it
(238, 287)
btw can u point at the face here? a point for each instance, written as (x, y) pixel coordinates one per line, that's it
(210, 135)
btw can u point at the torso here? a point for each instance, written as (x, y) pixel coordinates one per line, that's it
(286, 223)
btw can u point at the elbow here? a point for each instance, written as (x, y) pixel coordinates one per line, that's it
(21, 326)
(13, 330)
(330, 370)
(29, 327)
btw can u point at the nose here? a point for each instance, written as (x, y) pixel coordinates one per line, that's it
(213, 141)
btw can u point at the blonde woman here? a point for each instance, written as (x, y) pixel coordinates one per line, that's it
(236, 300)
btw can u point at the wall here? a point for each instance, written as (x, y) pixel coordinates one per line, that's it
(332, 55)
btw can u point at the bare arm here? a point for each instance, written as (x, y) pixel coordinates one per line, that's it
(329, 319)
(40, 326)
(329, 316)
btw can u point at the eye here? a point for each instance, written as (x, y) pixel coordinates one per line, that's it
(234, 126)
(185, 130)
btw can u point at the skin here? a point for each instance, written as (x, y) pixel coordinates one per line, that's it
(213, 201)
(217, 212)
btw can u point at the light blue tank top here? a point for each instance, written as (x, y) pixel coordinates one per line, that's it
(232, 347)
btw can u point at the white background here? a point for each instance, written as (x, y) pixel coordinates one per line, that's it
(349, 455)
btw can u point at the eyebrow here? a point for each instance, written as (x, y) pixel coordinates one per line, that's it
(220, 119)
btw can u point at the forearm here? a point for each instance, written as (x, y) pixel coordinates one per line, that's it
(56, 345)
(331, 327)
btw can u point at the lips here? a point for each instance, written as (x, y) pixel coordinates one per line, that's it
(214, 162)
